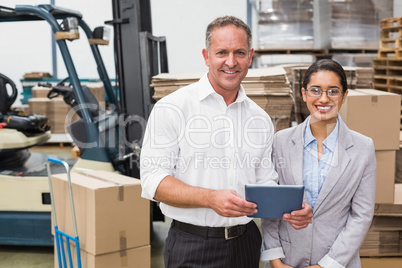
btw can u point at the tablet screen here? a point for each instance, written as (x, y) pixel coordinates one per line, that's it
(274, 200)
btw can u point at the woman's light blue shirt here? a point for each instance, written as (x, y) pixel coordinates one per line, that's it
(314, 171)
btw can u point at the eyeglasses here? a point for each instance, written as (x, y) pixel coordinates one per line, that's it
(333, 93)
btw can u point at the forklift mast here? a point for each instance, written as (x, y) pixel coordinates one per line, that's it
(51, 14)
(138, 55)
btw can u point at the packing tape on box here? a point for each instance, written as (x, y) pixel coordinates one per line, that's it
(123, 249)
(374, 98)
(120, 195)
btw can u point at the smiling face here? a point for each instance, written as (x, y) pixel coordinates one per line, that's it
(324, 108)
(228, 59)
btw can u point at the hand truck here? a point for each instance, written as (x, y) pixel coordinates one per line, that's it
(59, 235)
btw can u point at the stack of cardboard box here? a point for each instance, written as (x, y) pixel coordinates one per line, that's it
(268, 87)
(59, 113)
(375, 114)
(113, 221)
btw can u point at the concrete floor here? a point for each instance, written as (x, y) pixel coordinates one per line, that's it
(43, 257)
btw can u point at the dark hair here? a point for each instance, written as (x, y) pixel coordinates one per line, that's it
(326, 65)
(225, 21)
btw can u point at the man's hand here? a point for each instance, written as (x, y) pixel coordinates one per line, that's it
(300, 219)
(314, 266)
(277, 263)
(228, 203)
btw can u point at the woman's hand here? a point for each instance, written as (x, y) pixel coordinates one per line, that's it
(300, 219)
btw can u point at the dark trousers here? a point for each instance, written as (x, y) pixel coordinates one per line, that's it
(187, 250)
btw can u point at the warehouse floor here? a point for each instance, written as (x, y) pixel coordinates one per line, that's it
(43, 257)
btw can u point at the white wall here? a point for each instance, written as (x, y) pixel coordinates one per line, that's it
(397, 8)
(184, 24)
(26, 46)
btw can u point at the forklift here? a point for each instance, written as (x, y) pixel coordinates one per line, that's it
(108, 139)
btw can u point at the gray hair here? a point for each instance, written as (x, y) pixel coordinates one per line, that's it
(225, 21)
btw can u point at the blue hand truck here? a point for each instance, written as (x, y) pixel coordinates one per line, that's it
(59, 235)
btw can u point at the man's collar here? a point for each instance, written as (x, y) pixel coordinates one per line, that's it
(206, 89)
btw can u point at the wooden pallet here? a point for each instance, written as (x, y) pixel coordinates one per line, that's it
(390, 53)
(384, 70)
(391, 43)
(391, 22)
(391, 32)
(388, 76)
(387, 67)
(395, 86)
(387, 62)
(391, 38)
(380, 83)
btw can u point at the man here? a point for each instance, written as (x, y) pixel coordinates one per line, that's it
(203, 143)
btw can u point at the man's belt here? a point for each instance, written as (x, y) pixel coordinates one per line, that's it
(216, 232)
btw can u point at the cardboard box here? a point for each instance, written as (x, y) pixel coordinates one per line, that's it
(41, 92)
(59, 115)
(385, 176)
(376, 114)
(39, 106)
(110, 213)
(130, 258)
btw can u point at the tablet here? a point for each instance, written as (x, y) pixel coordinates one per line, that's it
(274, 200)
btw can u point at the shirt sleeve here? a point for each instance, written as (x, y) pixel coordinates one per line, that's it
(160, 147)
(271, 246)
(265, 172)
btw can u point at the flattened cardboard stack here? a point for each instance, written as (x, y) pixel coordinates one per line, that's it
(268, 87)
(364, 77)
(56, 110)
(166, 83)
(113, 220)
(385, 235)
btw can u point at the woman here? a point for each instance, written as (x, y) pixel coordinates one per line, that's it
(337, 166)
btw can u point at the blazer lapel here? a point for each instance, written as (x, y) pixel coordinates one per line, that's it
(340, 160)
(296, 154)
